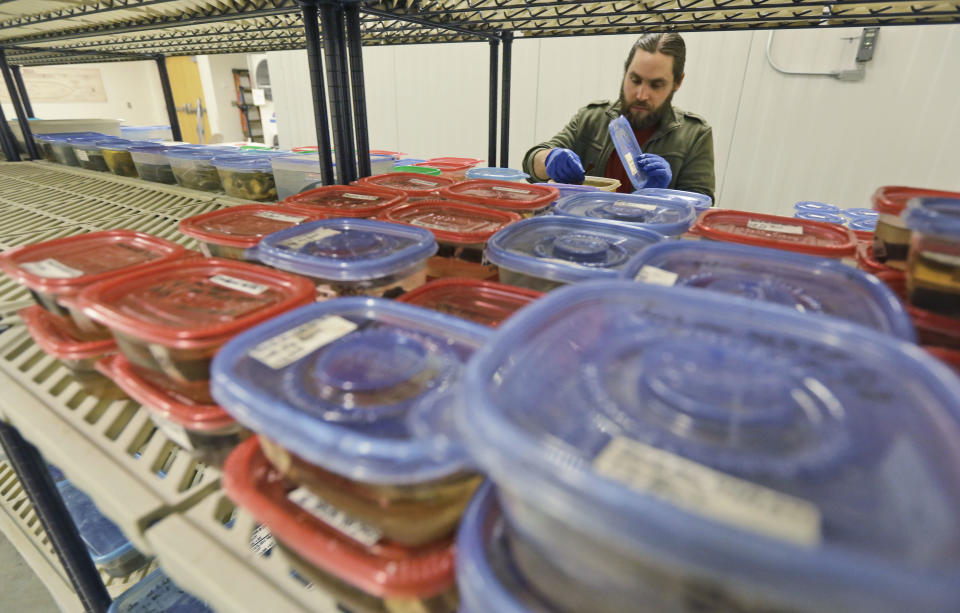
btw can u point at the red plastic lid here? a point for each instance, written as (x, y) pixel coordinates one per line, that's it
(453, 160)
(866, 261)
(194, 303)
(444, 165)
(892, 199)
(774, 231)
(345, 200)
(480, 301)
(66, 265)
(178, 409)
(412, 184)
(244, 225)
(933, 325)
(950, 357)
(54, 336)
(502, 194)
(395, 154)
(450, 221)
(383, 569)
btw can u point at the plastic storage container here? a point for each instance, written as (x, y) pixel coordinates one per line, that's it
(106, 544)
(248, 176)
(617, 418)
(156, 593)
(809, 206)
(193, 168)
(860, 213)
(407, 161)
(423, 170)
(62, 145)
(834, 218)
(152, 164)
(932, 329)
(666, 216)
(89, 155)
(353, 398)
(483, 302)
(45, 146)
(787, 233)
(570, 189)
(384, 577)
(416, 186)
(153, 133)
(347, 257)
(800, 282)
(462, 231)
(57, 270)
(345, 201)
(625, 142)
(116, 153)
(170, 323)
(234, 232)
(543, 253)
(700, 202)
(933, 270)
(293, 173)
(526, 200)
(863, 224)
(891, 240)
(456, 170)
(602, 184)
(497, 174)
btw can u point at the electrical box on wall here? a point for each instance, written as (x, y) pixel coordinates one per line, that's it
(868, 42)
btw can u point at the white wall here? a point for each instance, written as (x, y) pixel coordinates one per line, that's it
(777, 139)
(216, 79)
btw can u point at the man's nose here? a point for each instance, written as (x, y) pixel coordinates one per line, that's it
(642, 93)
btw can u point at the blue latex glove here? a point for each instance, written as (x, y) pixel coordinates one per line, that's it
(657, 170)
(564, 166)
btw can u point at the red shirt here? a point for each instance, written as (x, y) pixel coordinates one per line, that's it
(615, 169)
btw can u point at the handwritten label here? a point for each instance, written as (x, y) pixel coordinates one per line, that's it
(423, 183)
(313, 236)
(285, 349)
(360, 197)
(240, 285)
(630, 162)
(82, 155)
(767, 226)
(51, 269)
(279, 217)
(656, 276)
(334, 517)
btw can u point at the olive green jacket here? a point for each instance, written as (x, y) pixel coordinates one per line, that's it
(683, 139)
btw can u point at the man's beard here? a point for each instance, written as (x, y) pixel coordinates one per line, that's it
(650, 119)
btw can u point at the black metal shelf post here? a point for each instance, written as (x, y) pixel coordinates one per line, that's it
(22, 89)
(168, 98)
(494, 72)
(358, 88)
(7, 142)
(311, 32)
(507, 38)
(339, 98)
(18, 109)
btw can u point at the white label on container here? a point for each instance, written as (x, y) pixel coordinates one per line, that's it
(334, 517)
(310, 237)
(313, 176)
(947, 259)
(51, 269)
(631, 164)
(285, 349)
(510, 190)
(175, 432)
(261, 541)
(240, 285)
(703, 491)
(636, 205)
(656, 276)
(82, 155)
(361, 197)
(766, 226)
(423, 183)
(279, 217)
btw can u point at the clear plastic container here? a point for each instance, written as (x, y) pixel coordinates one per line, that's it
(800, 282)
(462, 231)
(787, 233)
(294, 173)
(152, 164)
(625, 142)
(234, 232)
(834, 218)
(62, 145)
(45, 146)
(453, 167)
(860, 213)
(107, 545)
(665, 216)
(414, 185)
(526, 200)
(345, 201)
(156, 593)
(497, 174)
(570, 189)
(602, 184)
(116, 154)
(380, 578)
(483, 302)
(932, 329)
(700, 202)
(418, 169)
(616, 418)
(863, 227)
(173, 320)
(349, 257)
(151, 133)
(248, 176)
(891, 240)
(193, 168)
(810, 206)
(57, 270)
(89, 155)
(407, 161)
(543, 253)
(352, 398)
(933, 266)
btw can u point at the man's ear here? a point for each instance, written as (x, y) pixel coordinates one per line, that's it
(677, 85)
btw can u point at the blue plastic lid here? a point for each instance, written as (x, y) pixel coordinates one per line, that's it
(62, 137)
(156, 593)
(407, 161)
(151, 148)
(347, 249)
(939, 216)
(103, 539)
(570, 189)
(628, 149)
(351, 384)
(253, 161)
(127, 145)
(666, 216)
(857, 213)
(863, 224)
(834, 218)
(142, 128)
(568, 249)
(497, 174)
(800, 282)
(838, 445)
(193, 153)
(811, 206)
(700, 202)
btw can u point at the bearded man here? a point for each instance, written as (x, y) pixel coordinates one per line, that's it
(677, 145)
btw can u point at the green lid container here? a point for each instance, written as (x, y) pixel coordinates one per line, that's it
(424, 170)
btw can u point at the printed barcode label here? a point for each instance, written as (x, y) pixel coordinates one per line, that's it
(51, 269)
(261, 541)
(334, 517)
(656, 276)
(631, 164)
(423, 183)
(636, 205)
(766, 226)
(175, 432)
(703, 491)
(279, 217)
(313, 236)
(510, 190)
(360, 197)
(82, 155)
(285, 349)
(240, 285)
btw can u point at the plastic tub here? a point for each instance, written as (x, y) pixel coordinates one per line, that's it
(932, 329)
(570, 189)
(407, 161)
(345, 201)
(616, 419)
(57, 270)
(700, 202)
(462, 231)
(62, 145)
(248, 176)
(193, 168)
(527, 200)
(45, 145)
(234, 232)
(293, 173)
(665, 216)
(860, 213)
(625, 142)
(395, 154)
(381, 577)
(116, 154)
(151, 163)
(107, 545)
(414, 185)
(810, 206)
(347, 257)
(497, 174)
(89, 155)
(864, 225)
(834, 218)
(800, 282)
(173, 320)
(933, 267)
(452, 170)
(204, 429)
(866, 262)
(543, 253)
(417, 169)
(602, 184)
(153, 133)
(891, 241)
(156, 593)
(787, 233)
(482, 302)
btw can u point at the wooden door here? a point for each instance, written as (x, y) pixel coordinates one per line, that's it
(187, 94)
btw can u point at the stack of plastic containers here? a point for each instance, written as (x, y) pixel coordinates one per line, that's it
(152, 164)
(156, 593)
(526, 200)
(484, 302)
(700, 202)
(418, 169)
(415, 186)
(345, 201)
(248, 176)
(676, 450)
(62, 145)
(891, 242)
(497, 174)
(293, 173)
(354, 469)
(193, 167)
(234, 232)
(451, 167)
(664, 215)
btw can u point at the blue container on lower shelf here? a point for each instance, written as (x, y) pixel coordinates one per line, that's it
(156, 593)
